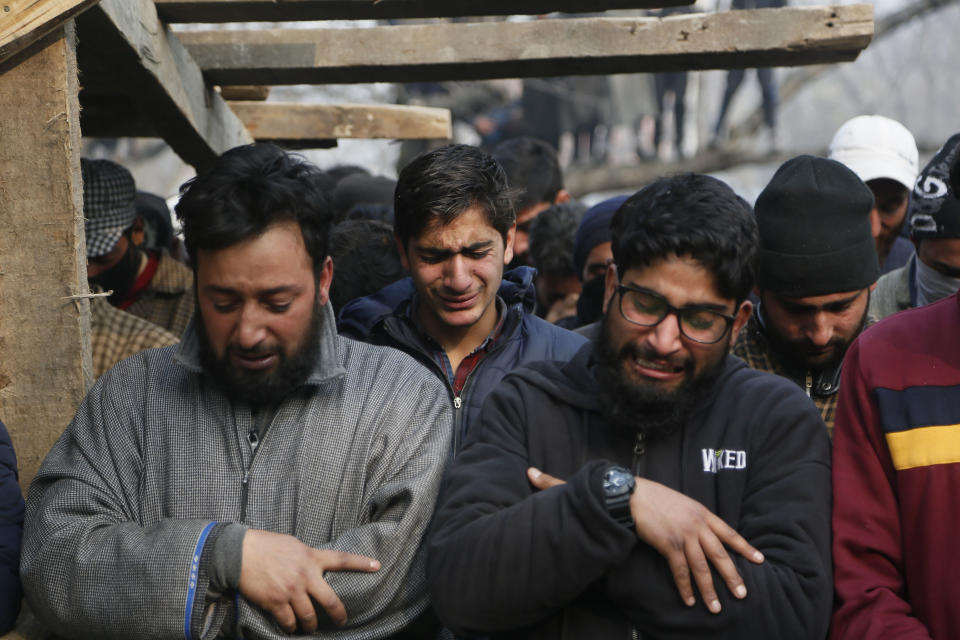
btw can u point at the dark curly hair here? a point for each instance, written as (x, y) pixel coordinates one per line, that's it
(250, 188)
(689, 215)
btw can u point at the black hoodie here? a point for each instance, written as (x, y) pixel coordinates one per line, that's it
(509, 561)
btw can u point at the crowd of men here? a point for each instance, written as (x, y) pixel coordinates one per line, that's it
(460, 405)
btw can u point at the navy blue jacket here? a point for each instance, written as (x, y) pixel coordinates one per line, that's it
(382, 319)
(11, 528)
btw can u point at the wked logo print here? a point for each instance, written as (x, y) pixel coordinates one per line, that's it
(716, 460)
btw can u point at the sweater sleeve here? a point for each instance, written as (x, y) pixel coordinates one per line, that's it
(88, 565)
(404, 468)
(503, 556)
(403, 479)
(871, 593)
(11, 528)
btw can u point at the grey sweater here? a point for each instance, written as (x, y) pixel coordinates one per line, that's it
(125, 502)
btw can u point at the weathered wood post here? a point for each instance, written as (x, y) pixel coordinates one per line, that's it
(45, 364)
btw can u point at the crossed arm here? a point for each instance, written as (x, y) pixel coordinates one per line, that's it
(507, 554)
(100, 560)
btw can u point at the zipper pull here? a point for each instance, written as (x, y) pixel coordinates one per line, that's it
(457, 402)
(639, 446)
(809, 384)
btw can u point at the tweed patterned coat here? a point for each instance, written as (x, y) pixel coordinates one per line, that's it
(116, 334)
(168, 300)
(122, 507)
(754, 348)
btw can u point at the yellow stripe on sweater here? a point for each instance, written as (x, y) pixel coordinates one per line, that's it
(924, 446)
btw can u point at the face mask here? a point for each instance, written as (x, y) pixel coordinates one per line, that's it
(590, 304)
(933, 285)
(120, 277)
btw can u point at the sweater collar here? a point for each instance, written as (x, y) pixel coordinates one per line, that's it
(327, 366)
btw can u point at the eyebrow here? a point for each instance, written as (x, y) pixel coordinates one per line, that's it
(227, 291)
(809, 308)
(471, 248)
(709, 306)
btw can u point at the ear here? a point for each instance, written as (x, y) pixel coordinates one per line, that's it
(875, 226)
(610, 285)
(137, 234)
(508, 245)
(402, 251)
(324, 280)
(562, 196)
(740, 320)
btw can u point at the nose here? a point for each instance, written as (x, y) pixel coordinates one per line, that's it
(250, 329)
(456, 274)
(664, 338)
(820, 330)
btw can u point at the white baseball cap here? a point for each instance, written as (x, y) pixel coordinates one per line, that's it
(877, 147)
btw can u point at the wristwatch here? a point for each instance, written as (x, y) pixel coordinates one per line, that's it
(618, 485)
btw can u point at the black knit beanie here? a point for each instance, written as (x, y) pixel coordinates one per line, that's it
(814, 223)
(935, 204)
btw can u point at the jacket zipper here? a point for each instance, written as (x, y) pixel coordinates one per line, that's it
(639, 448)
(808, 384)
(457, 399)
(254, 441)
(245, 484)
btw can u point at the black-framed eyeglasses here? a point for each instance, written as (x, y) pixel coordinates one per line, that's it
(648, 309)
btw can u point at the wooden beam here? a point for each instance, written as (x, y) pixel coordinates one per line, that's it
(23, 22)
(245, 92)
(304, 126)
(588, 46)
(45, 365)
(290, 10)
(159, 76)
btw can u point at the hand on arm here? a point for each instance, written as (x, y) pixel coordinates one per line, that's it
(284, 577)
(684, 532)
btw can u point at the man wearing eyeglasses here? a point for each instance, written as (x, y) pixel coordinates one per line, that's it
(654, 486)
(816, 267)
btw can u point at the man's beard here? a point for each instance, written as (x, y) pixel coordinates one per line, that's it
(262, 388)
(798, 350)
(644, 408)
(120, 277)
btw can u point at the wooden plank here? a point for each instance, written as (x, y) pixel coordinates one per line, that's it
(588, 46)
(23, 22)
(245, 92)
(159, 76)
(291, 10)
(45, 365)
(301, 125)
